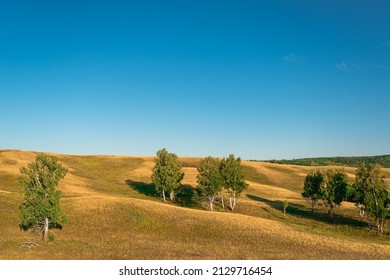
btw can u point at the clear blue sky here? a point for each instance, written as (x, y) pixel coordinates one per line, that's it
(260, 79)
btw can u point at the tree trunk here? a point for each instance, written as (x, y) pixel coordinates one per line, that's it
(381, 225)
(378, 225)
(172, 196)
(164, 196)
(233, 201)
(331, 208)
(369, 221)
(313, 202)
(223, 204)
(284, 212)
(45, 230)
(361, 208)
(211, 201)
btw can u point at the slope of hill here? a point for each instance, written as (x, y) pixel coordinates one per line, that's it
(114, 213)
(383, 161)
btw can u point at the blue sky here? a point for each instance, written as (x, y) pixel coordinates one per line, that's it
(260, 79)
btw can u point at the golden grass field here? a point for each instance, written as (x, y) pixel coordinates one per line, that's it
(113, 214)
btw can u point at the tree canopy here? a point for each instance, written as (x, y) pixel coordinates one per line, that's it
(371, 193)
(233, 178)
(313, 188)
(336, 182)
(167, 173)
(40, 207)
(209, 178)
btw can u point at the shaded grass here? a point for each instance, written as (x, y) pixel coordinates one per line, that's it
(345, 225)
(184, 196)
(147, 189)
(304, 212)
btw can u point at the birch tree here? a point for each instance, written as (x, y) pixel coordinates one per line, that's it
(372, 194)
(313, 187)
(336, 182)
(167, 173)
(233, 178)
(40, 207)
(209, 179)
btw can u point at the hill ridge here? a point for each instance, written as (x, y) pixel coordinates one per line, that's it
(352, 161)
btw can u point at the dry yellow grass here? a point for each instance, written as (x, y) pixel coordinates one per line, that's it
(110, 220)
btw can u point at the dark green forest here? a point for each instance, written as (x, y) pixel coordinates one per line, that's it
(383, 160)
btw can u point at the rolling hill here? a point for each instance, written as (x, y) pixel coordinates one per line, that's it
(114, 214)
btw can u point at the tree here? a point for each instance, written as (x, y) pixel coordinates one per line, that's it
(313, 187)
(40, 207)
(233, 178)
(209, 179)
(336, 182)
(167, 174)
(371, 193)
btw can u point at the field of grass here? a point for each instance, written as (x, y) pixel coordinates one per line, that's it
(114, 213)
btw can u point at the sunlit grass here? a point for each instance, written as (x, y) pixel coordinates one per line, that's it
(115, 214)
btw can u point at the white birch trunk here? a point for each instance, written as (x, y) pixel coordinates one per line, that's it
(45, 230)
(233, 201)
(172, 196)
(163, 192)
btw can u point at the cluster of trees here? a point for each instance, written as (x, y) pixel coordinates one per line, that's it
(214, 177)
(329, 187)
(368, 191)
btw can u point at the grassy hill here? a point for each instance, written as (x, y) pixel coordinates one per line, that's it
(383, 161)
(114, 213)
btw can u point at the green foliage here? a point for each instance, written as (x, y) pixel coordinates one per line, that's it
(313, 188)
(40, 196)
(52, 237)
(338, 161)
(350, 193)
(336, 182)
(285, 204)
(371, 193)
(167, 173)
(209, 178)
(233, 178)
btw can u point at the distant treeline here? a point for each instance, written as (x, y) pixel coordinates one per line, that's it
(383, 161)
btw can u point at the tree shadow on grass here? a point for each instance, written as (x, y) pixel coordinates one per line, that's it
(186, 195)
(147, 189)
(302, 211)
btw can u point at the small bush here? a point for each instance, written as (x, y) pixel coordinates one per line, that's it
(51, 236)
